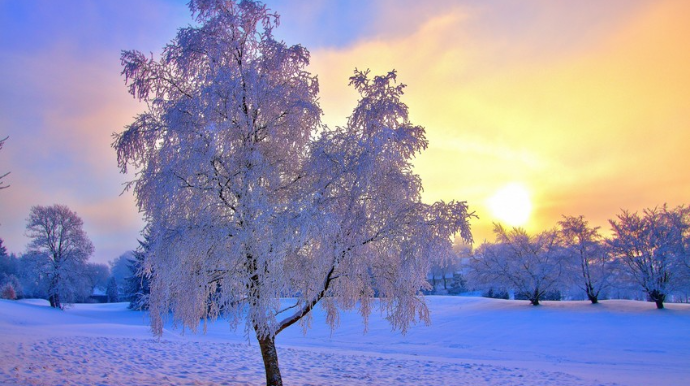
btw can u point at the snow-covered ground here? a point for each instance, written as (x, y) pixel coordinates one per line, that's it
(471, 341)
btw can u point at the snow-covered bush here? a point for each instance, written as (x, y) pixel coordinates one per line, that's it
(7, 292)
(13, 281)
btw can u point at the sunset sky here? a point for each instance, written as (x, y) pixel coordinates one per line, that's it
(585, 105)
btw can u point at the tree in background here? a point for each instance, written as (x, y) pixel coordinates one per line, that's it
(448, 270)
(653, 247)
(587, 255)
(121, 272)
(33, 281)
(249, 199)
(8, 292)
(531, 265)
(61, 247)
(9, 269)
(10, 288)
(97, 277)
(112, 291)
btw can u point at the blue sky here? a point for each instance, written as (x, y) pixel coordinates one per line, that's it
(582, 104)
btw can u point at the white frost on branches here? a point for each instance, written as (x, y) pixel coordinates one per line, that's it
(591, 264)
(59, 248)
(249, 199)
(531, 265)
(654, 247)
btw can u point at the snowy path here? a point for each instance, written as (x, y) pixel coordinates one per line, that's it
(471, 342)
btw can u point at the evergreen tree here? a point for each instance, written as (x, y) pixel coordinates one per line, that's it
(138, 286)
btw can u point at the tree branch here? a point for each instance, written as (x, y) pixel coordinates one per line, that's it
(289, 321)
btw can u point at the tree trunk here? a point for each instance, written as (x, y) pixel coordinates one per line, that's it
(659, 304)
(534, 299)
(658, 297)
(591, 295)
(54, 295)
(270, 356)
(593, 298)
(55, 301)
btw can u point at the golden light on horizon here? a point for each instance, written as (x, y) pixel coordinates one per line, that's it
(603, 112)
(511, 204)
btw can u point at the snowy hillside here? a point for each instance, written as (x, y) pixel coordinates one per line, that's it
(472, 341)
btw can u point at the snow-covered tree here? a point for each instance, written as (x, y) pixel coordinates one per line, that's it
(32, 281)
(250, 199)
(119, 267)
(58, 237)
(530, 265)
(3, 253)
(9, 265)
(448, 270)
(120, 270)
(112, 291)
(653, 247)
(587, 255)
(97, 277)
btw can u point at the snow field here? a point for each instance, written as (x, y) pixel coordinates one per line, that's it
(471, 341)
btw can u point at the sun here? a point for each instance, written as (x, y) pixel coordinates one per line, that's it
(511, 204)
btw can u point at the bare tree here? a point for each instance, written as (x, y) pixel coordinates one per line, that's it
(587, 254)
(250, 199)
(57, 233)
(2, 186)
(530, 265)
(653, 247)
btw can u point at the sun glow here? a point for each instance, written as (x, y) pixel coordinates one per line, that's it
(511, 204)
